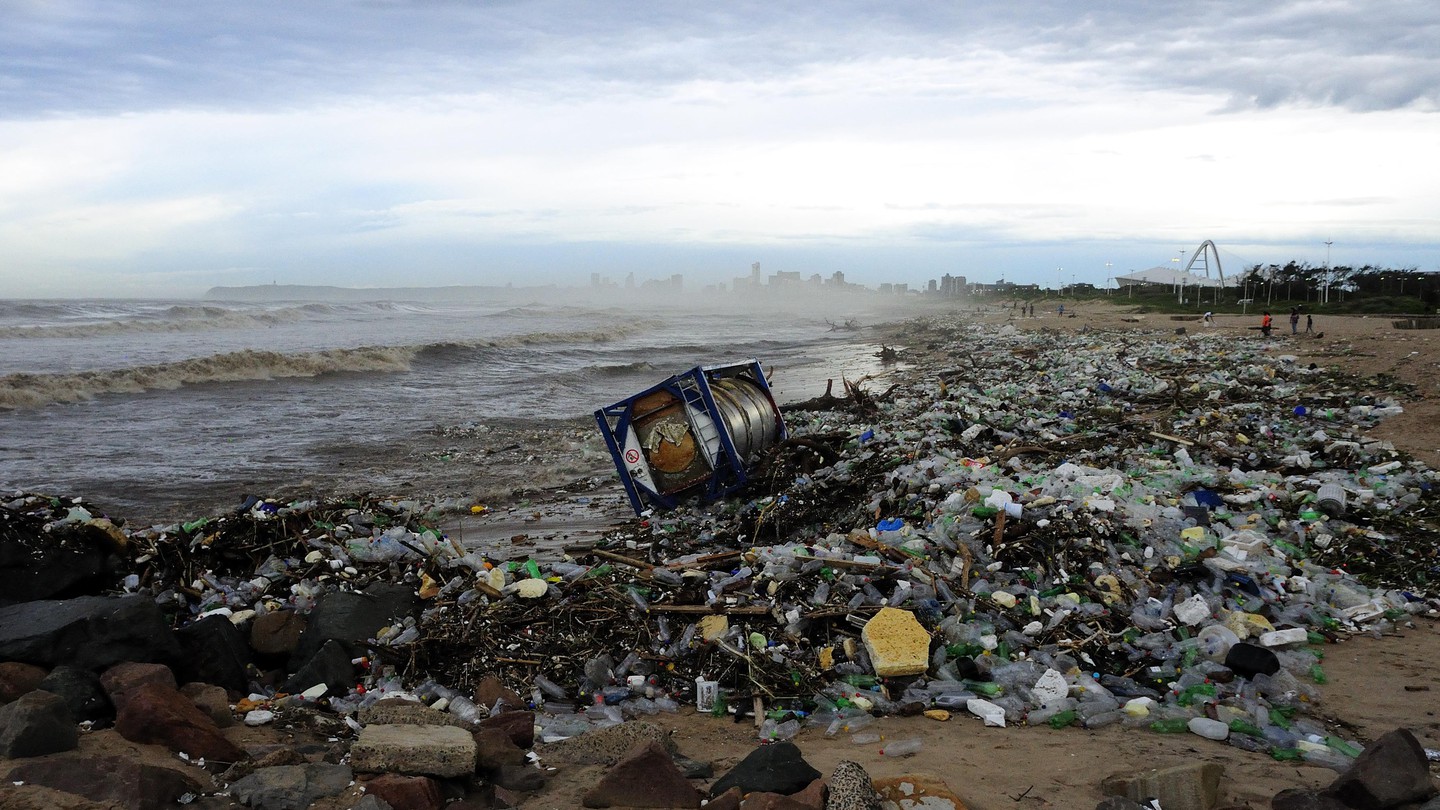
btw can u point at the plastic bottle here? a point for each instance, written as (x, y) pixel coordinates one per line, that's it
(902, 748)
(1209, 729)
(1062, 719)
(550, 688)
(464, 709)
(1171, 725)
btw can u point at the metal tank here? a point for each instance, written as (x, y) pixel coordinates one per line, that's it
(696, 433)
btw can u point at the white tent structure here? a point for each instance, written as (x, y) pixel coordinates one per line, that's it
(1170, 277)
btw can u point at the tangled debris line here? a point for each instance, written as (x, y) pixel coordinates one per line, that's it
(1158, 531)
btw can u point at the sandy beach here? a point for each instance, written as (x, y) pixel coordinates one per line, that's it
(1377, 682)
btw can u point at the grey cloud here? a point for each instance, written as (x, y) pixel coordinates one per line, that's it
(111, 56)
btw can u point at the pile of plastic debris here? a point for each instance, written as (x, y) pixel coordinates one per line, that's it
(1093, 529)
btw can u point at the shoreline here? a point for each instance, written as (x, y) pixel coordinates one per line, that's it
(1372, 681)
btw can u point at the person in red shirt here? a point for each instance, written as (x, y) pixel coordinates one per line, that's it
(1265, 324)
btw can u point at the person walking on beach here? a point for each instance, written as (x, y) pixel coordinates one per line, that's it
(1265, 324)
(1309, 324)
(1294, 321)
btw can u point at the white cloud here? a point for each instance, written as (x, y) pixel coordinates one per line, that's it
(313, 138)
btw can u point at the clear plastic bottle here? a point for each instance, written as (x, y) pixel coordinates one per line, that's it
(902, 748)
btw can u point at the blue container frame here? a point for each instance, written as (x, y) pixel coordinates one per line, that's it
(692, 387)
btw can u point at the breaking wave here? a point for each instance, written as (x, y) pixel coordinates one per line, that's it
(38, 390)
(19, 391)
(176, 318)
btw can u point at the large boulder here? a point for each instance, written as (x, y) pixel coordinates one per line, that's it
(82, 692)
(851, 787)
(351, 617)
(122, 679)
(16, 679)
(406, 792)
(159, 715)
(415, 750)
(1391, 771)
(276, 634)
(520, 726)
(646, 777)
(776, 768)
(291, 787)
(71, 561)
(214, 652)
(35, 725)
(330, 666)
(90, 632)
(111, 781)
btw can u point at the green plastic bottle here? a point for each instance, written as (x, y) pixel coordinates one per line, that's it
(1343, 747)
(1062, 719)
(1242, 726)
(1171, 725)
(1317, 674)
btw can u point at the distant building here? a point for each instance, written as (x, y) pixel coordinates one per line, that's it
(786, 280)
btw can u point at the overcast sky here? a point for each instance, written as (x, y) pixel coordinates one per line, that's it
(160, 148)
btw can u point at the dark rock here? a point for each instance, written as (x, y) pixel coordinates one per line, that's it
(693, 768)
(729, 800)
(112, 781)
(814, 794)
(776, 801)
(212, 700)
(82, 692)
(646, 777)
(1248, 660)
(275, 757)
(372, 803)
(1391, 771)
(1299, 799)
(161, 716)
(330, 666)
(519, 778)
(350, 618)
(775, 768)
(406, 792)
(479, 798)
(62, 564)
(90, 632)
(276, 634)
(291, 787)
(214, 652)
(494, 749)
(122, 679)
(16, 679)
(490, 691)
(520, 726)
(36, 724)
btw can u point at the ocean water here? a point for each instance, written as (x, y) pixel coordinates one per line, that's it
(163, 410)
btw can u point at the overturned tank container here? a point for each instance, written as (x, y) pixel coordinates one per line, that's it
(693, 434)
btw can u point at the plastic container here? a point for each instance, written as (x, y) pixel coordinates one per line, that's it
(903, 748)
(1209, 729)
(1330, 499)
(706, 693)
